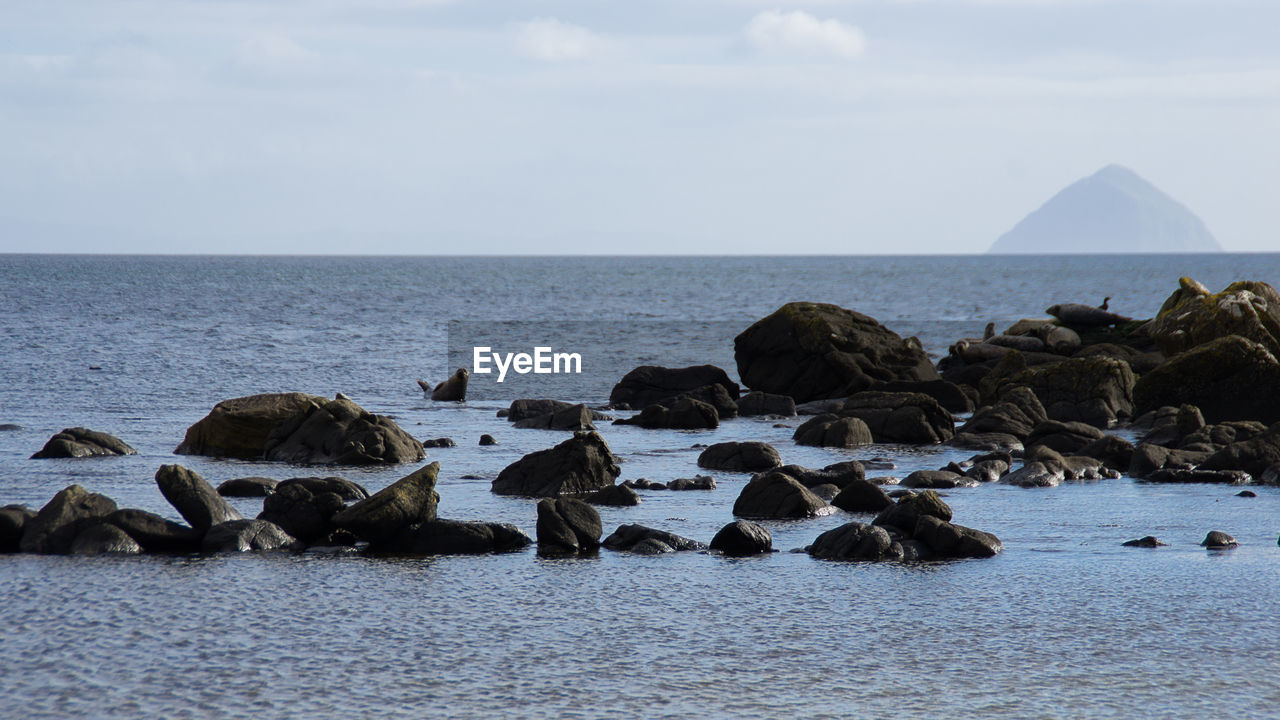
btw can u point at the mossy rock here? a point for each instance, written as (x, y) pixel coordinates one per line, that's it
(1193, 316)
(1231, 378)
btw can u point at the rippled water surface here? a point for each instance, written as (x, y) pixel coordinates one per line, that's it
(1064, 624)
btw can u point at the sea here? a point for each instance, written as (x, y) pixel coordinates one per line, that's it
(1065, 623)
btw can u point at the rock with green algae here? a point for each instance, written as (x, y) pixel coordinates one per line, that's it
(1230, 378)
(1097, 390)
(1193, 316)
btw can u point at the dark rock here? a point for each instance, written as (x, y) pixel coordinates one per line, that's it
(990, 469)
(986, 441)
(239, 428)
(1148, 541)
(455, 537)
(947, 394)
(1147, 458)
(12, 520)
(454, 389)
(568, 524)
(411, 499)
(525, 409)
(340, 432)
(826, 491)
(247, 535)
(56, 526)
(487, 439)
(936, 479)
(1192, 316)
(1247, 494)
(1094, 390)
(698, 482)
(838, 474)
(775, 494)
(714, 395)
(650, 384)
(193, 498)
(915, 551)
(762, 403)
(1230, 378)
(1254, 456)
(573, 417)
(614, 495)
(1114, 452)
(811, 351)
(646, 540)
(904, 514)
(739, 457)
(302, 514)
(742, 537)
(1218, 540)
(247, 487)
(854, 541)
(342, 487)
(820, 407)
(862, 496)
(580, 464)
(78, 442)
(900, 417)
(644, 484)
(955, 541)
(1217, 477)
(154, 533)
(104, 539)
(833, 431)
(682, 414)
(1016, 413)
(1065, 437)
(1035, 474)
(442, 442)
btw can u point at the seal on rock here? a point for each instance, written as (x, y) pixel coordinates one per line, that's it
(1085, 315)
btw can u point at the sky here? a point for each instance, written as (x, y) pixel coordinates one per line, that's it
(587, 126)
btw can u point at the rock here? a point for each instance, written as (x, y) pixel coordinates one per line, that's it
(487, 439)
(455, 537)
(340, 432)
(986, 441)
(78, 442)
(1064, 437)
(104, 540)
(820, 407)
(741, 538)
(411, 499)
(1214, 437)
(1147, 458)
(239, 428)
(838, 474)
(1148, 541)
(643, 484)
(936, 479)
(193, 498)
(1254, 456)
(567, 524)
(526, 408)
(811, 351)
(1218, 540)
(1192, 316)
(900, 417)
(739, 457)
(906, 512)
(1016, 413)
(247, 487)
(301, 513)
(580, 464)
(762, 403)
(683, 414)
(955, 541)
(714, 395)
(699, 482)
(1217, 477)
(648, 541)
(12, 520)
(1247, 494)
(862, 496)
(55, 527)
(650, 384)
(573, 417)
(825, 492)
(454, 389)
(832, 431)
(774, 494)
(442, 442)
(347, 490)
(1094, 390)
(1231, 378)
(989, 468)
(154, 533)
(247, 535)
(1114, 452)
(614, 495)
(947, 394)
(1035, 474)
(853, 541)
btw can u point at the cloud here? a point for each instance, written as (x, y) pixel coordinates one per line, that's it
(551, 40)
(799, 33)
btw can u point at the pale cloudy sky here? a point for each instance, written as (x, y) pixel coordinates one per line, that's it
(589, 126)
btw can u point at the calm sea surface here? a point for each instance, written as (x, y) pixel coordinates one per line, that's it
(1064, 624)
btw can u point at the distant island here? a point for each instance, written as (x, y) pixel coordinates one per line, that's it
(1112, 211)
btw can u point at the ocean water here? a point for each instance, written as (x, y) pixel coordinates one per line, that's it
(1064, 624)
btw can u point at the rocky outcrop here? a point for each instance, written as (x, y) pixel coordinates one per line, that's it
(54, 528)
(12, 520)
(900, 417)
(154, 533)
(811, 351)
(741, 538)
(247, 487)
(78, 442)
(1253, 456)
(565, 524)
(193, 498)
(862, 496)
(454, 389)
(1017, 412)
(682, 414)
(248, 536)
(761, 403)
(409, 500)
(775, 494)
(855, 541)
(303, 514)
(340, 432)
(573, 417)
(833, 431)
(580, 464)
(454, 537)
(1193, 316)
(648, 541)
(1095, 390)
(1230, 378)
(739, 457)
(239, 428)
(650, 384)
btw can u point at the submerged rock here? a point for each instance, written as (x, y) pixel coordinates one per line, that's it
(739, 457)
(78, 442)
(454, 537)
(1147, 541)
(580, 464)
(648, 541)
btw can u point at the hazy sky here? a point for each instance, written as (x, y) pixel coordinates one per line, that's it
(596, 126)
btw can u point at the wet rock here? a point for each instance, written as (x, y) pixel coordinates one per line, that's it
(762, 403)
(906, 512)
(986, 441)
(1231, 378)
(648, 541)
(57, 524)
(1218, 540)
(739, 457)
(340, 432)
(104, 539)
(1192, 316)
(193, 498)
(1216, 477)
(442, 442)
(239, 428)
(1112, 451)
(826, 491)
(682, 414)
(741, 538)
(578, 465)
(12, 520)
(454, 537)
(154, 533)
(698, 482)
(820, 407)
(247, 487)
(1247, 494)
(487, 439)
(644, 484)
(714, 395)
(248, 536)
(1035, 474)
(302, 514)
(936, 479)
(567, 524)
(1094, 390)
(614, 495)
(1147, 541)
(900, 417)
(78, 442)
(990, 469)
(854, 541)
(955, 541)
(347, 490)
(409, 500)
(862, 496)
(811, 351)
(650, 384)
(774, 494)
(1148, 458)
(525, 409)
(832, 431)
(1254, 456)
(839, 474)
(573, 417)
(1065, 437)
(1017, 412)
(454, 389)
(947, 394)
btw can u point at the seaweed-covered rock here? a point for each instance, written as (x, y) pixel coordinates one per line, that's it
(854, 541)
(762, 403)
(648, 541)
(900, 416)
(78, 442)
(742, 537)
(567, 524)
(248, 536)
(1193, 316)
(811, 351)
(193, 498)
(775, 494)
(238, 428)
(833, 431)
(104, 539)
(1095, 390)
(55, 527)
(578, 465)
(1230, 378)
(748, 456)
(650, 384)
(340, 432)
(411, 499)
